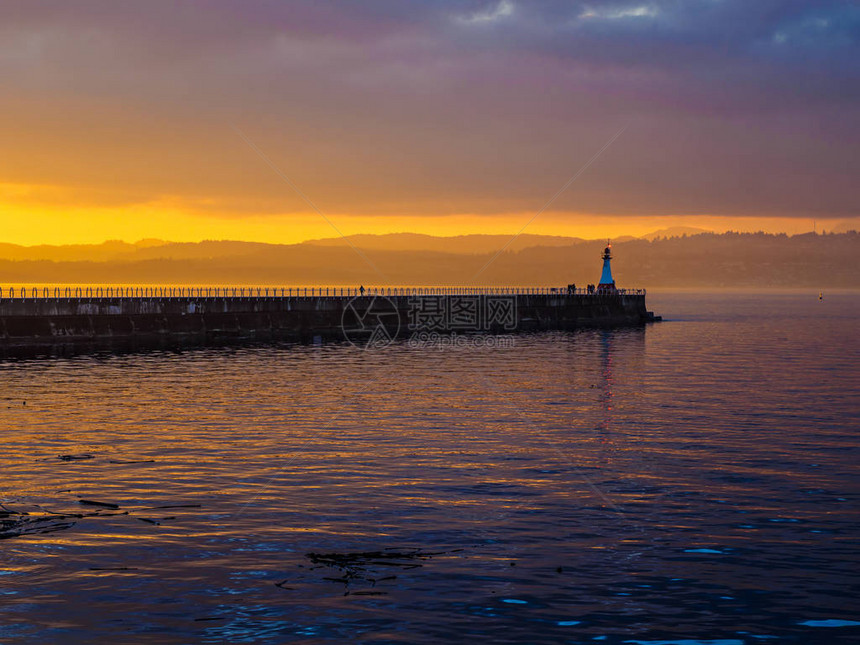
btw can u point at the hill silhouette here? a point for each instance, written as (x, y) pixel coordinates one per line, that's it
(675, 231)
(703, 260)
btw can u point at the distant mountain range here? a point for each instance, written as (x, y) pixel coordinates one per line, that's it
(150, 249)
(679, 257)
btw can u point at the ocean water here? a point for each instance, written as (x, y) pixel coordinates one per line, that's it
(695, 481)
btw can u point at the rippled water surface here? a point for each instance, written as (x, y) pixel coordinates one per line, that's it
(694, 481)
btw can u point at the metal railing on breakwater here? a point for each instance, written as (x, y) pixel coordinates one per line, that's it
(128, 292)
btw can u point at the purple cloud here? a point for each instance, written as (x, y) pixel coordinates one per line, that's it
(436, 107)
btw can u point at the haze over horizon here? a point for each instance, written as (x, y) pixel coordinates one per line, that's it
(422, 240)
(733, 260)
(133, 121)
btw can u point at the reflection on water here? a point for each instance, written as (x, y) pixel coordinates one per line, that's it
(604, 426)
(693, 480)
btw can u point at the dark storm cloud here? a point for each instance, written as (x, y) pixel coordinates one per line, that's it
(735, 107)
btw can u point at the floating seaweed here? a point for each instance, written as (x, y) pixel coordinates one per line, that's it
(366, 567)
(14, 524)
(360, 560)
(90, 502)
(87, 456)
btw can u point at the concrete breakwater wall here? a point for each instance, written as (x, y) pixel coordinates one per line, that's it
(369, 318)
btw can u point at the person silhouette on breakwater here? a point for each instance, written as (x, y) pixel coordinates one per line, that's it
(361, 289)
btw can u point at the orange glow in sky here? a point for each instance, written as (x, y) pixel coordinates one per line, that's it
(185, 123)
(28, 223)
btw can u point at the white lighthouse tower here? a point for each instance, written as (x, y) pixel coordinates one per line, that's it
(606, 281)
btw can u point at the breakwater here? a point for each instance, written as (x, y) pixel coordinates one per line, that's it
(44, 317)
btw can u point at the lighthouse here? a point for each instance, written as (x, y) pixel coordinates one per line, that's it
(606, 281)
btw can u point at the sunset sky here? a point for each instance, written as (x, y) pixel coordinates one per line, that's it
(122, 120)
